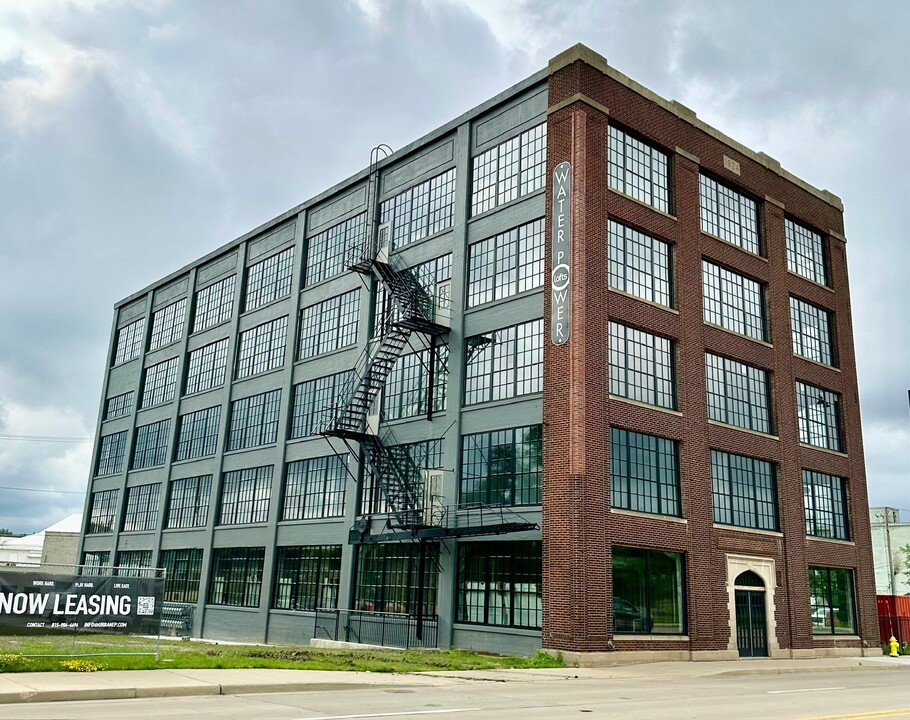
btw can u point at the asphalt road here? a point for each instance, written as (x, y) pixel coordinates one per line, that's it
(854, 695)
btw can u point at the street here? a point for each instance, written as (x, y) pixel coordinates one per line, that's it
(838, 695)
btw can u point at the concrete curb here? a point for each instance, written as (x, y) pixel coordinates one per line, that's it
(125, 685)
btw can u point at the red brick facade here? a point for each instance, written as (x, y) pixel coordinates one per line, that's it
(579, 528)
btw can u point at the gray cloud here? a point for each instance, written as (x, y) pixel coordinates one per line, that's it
(136, 136)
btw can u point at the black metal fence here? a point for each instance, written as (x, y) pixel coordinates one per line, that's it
(397, 630)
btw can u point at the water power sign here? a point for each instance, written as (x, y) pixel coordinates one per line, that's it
(560, 252)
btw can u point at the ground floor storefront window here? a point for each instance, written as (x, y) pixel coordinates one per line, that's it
(648, 591)
(831, 601)
(388, 578)
(499, 583)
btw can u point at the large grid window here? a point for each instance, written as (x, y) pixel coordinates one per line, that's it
(431, 276)
(141, 507)
(151, 445)
(307, 577)
(510, 170)
(314, 488)
(197, 434)
(262, 348)
(314, 402)
(728, 215)
(744, 490)
(254, 420)
(183, 568)
(644, 473)
(499, 583)
(94, 562)
(111, 453)
(207, 367)
(639, 264)
(160, 383)
(413, 460)
(245, 496)
(328, 252)
(188, 504)
(118, 406)
(733, 301)
(329, 325)
(639, 170)
(269, 279)
(648, 592)
(831, 601)
(811, 329)
(422, 210)
(134, 563)
(103, 512)
(642, 366)
(738, 394)
(129, 342)
(504, 363)
(818, 411)
(167, 324)
(407, 390)
(388, 578)
(236, 576)
(503, 467)
(506, 264)
(214, 303)
(825, 500)
(805, 252)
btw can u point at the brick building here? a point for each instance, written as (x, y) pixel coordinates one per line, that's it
(573, 371)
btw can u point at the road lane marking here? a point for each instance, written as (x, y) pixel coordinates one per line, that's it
(782, 692)
(391, 714)
(870, 715)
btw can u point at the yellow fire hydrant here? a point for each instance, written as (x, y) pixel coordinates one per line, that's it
(893, 644)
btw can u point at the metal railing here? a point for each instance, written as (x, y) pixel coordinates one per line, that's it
(398, 630)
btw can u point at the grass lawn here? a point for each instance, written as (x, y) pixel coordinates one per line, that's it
(186, 655)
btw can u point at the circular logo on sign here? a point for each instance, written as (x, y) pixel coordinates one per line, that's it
(560, 277)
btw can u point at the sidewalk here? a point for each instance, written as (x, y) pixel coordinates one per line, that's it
(120, 684)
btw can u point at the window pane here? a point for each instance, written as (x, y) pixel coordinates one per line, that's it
(728, 215)
(637, 169)
(214, 304)
(805, 252)
(811, 328)
(819, 416)
(642, 366)
(733, 301)
(738, 394)
(826, 505)
(644, 475)
(510, 170)
(269, 279)
(745, 491)
(499, 583)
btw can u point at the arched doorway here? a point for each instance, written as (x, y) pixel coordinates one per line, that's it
(751, 624)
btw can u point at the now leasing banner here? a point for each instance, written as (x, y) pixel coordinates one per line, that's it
(41, 602)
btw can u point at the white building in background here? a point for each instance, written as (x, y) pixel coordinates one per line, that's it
(890, 533)
(56, 545)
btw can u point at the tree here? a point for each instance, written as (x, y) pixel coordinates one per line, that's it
(6, 532)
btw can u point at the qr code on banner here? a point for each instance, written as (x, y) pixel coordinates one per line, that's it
(145, 606)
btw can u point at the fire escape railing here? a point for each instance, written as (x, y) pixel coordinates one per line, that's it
(411, 309)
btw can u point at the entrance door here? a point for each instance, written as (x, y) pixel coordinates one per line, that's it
(751, 633)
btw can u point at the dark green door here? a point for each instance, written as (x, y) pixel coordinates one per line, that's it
(751, 634)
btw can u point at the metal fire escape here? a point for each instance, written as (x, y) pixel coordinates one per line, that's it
(410, 309)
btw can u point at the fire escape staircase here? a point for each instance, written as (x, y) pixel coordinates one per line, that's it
(411, 309)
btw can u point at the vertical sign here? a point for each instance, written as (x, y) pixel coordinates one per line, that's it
(560, 248)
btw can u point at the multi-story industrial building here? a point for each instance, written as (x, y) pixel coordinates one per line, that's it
(573, 371)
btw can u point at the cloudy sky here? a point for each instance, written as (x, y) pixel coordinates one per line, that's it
(137, 135)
